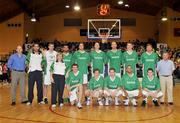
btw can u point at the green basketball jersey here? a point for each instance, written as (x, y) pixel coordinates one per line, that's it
(98, 60)
(74, 79)
(112, 83)
(152, 85)
(130, 59)
(82, 59)
(130, 83)
(67, 58)
(114, 60)
(149, 61)
(96, 83)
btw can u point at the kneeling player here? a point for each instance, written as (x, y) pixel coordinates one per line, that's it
(112, 87)
(74, 86)
(151, 88)
(95, 87)
(130, 87)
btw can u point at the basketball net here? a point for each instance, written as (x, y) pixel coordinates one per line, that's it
(104, 37)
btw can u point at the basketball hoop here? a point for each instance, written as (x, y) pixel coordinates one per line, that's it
(104, 37)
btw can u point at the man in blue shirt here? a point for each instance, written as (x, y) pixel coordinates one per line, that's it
(165, 69)
(17, 65)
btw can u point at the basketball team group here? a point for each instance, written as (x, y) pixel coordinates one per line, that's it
(65, 70)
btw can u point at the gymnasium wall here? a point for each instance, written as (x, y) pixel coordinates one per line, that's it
(166, 29)
(51, 27)
(11, 36)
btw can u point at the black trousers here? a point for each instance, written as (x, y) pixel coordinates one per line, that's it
(35, 76)
(57, 88)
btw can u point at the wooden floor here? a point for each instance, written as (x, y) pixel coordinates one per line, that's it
(89, 114)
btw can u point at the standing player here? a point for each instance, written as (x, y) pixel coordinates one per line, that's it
(114, 58)
(151, 88)
(82, 58)
(112, 87)
(74, 85)
(149, 59)
(130, 57)
(95, 88)
(131, 86)
(50, 56)
(67, 58)
(36, 64)
(98, 59)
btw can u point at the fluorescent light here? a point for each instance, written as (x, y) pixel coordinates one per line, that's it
(67, 6)
(126, 5)
(76, 8)
(120, 2)
(164, 19)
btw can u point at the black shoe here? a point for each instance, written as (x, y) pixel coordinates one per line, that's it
(13, 103)
(170, 103)
(162, 103)
(24, 102)
(45, 100)
(155, 102)
(143, 103)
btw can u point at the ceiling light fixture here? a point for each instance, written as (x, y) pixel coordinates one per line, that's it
(33, 18)
(164, 18)
(67, 6)
(76, 7)
(120, 2)
(126, 5)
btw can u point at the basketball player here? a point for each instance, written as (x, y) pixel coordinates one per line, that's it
(82, 58)
(95, 88)
(130, 57)
(114, 58)
(74, 85)
(131, 87)
(98, 59)
(151, 88)
(112, 87)
(50, 56)
(149, 59)
(67, 58)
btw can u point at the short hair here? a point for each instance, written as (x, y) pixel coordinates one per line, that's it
(149, 45)
(81, 43)
(150, 69)
(65, 45)
(112, 69)
(128, 66)
(51, 44)
(35, 44)
(130, 43)
(74, 65)
(96, 70)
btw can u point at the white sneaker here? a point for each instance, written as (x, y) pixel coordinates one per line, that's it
(53, 106)
(79, 105)
(61, 105)
(126, 102)
(134, 102)
(100, 103)
(116, 101)
(42, 102)
(88, 102)
(28, 103)
(107, 102)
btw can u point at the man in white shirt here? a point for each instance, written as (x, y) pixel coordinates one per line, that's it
(50, 57)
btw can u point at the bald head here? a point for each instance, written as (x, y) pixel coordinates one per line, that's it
(19, 49)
